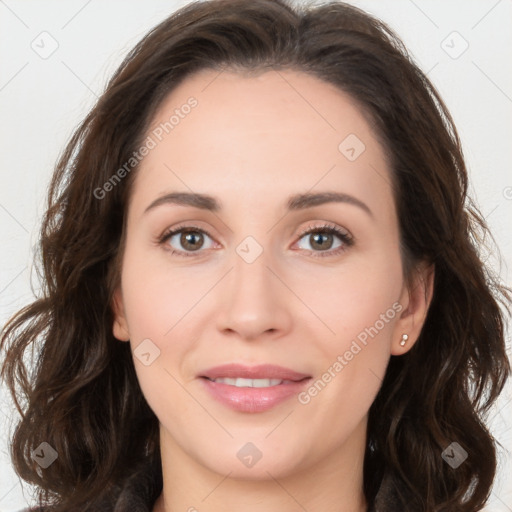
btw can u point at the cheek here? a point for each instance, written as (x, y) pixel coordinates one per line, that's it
(156, 295)
(157, 306)
(164, 304)
(361, 306)
(355, 297)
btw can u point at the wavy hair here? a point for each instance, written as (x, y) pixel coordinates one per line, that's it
(80, 393)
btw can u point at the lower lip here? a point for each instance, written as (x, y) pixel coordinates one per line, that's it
(253, 399)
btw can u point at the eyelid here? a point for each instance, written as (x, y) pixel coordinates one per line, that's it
(326, 226)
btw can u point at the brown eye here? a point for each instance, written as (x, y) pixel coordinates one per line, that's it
(191, 240)
(184, 241)
(321, 241)
(322, 238)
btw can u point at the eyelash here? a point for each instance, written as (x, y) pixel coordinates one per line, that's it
(343, 235)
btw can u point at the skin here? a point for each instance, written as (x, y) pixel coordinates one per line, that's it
(252, 142)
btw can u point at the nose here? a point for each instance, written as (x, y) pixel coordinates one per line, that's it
(253, 301)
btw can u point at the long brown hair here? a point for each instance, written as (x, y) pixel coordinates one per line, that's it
(81, 394)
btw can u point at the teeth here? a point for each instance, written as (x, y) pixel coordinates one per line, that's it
(249, 383)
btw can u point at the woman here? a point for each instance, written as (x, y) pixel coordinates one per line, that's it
(261, 286)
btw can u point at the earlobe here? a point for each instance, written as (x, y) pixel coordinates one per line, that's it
(120, 326)
(418, 296)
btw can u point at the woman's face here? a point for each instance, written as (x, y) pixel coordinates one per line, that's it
(246, 286)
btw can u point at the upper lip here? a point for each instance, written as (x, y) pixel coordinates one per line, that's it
(261, 371)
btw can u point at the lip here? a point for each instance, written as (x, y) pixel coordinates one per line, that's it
(261, 371)
(253, 400)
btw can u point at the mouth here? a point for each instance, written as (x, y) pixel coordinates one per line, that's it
(241, 382)
(252, 389)
(262, 375)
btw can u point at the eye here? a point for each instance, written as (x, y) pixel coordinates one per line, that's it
(191, 239)
(321, 240)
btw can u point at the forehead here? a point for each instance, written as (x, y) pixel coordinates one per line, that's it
(274, 101)
(279, 132)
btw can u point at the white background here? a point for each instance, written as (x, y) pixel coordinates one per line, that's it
(43, 100)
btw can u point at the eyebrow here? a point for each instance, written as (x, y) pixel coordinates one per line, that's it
(294, 203)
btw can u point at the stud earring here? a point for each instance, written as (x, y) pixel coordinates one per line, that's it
(404, 339)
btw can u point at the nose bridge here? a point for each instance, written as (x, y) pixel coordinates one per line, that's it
(255, 302)
(251, 276)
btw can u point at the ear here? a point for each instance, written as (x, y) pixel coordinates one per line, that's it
(120, 327)
(415, 301)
